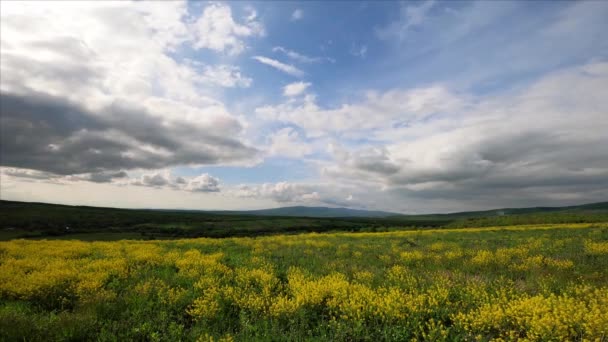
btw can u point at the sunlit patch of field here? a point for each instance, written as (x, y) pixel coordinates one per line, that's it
(538, 283)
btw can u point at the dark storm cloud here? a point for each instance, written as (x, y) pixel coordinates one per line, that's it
(516, 159)
(50, 134)
(155, 180)
(561, 164)
(105, 177)
(511, 147)
(376, 166)
(372, 160)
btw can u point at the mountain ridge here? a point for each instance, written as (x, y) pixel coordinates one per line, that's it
(306, 211)
(341, 212)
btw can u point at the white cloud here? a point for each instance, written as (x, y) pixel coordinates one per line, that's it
(394, 107)
(69, 68)
(286, 68)
(217, 30)
(535, 144)
(288, 142)
(301, 58)
(228, 76)
(253, 14)
(220, 75)
(297, 14)
(410, 16)
(282, 192)
(159, 179)
(203, 183)
(359, 51)
(295, 89)
(434, 149)
(163, 179)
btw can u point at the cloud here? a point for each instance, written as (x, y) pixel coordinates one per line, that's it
(282, 192)
(372, 159)
(25, 173)
(295, 89)
(44, 50)
(359, 51)
(297, 14)
(106, 177)
(99, 177)
(301, 58)
(398, 107)
(163, 179)
(217, 30)
(300, 193)
(52, 135)
(288, 142)
(410, 17)
(539, 143)
(203, 183)
(77, 108)
(74, 101)
(154, 180)
(227, 76)
(286, 68)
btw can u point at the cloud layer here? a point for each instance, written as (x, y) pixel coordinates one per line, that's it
(75, 100)
(441, 107)
(53, 135)
(545, 139)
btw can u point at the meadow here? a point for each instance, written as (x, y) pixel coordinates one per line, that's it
(531, 283)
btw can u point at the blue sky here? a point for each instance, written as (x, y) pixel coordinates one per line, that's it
(418, 106)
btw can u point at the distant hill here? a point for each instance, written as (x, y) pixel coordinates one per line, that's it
(302, 211)
(600, 207)
(42, 220)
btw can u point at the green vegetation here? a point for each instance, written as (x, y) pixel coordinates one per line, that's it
(534, 283)
(39, 220)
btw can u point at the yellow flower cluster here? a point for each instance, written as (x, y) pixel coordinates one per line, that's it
(210, 338)
(569, 316)
(596, 248)
(39, 270)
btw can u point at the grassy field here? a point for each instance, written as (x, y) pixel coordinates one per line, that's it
(539, 283)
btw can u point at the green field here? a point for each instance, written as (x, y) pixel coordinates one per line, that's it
(538, 283)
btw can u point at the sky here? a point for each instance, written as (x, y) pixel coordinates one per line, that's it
(411, 107)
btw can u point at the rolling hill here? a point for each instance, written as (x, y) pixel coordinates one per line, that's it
(38, 220)
(303, 211)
